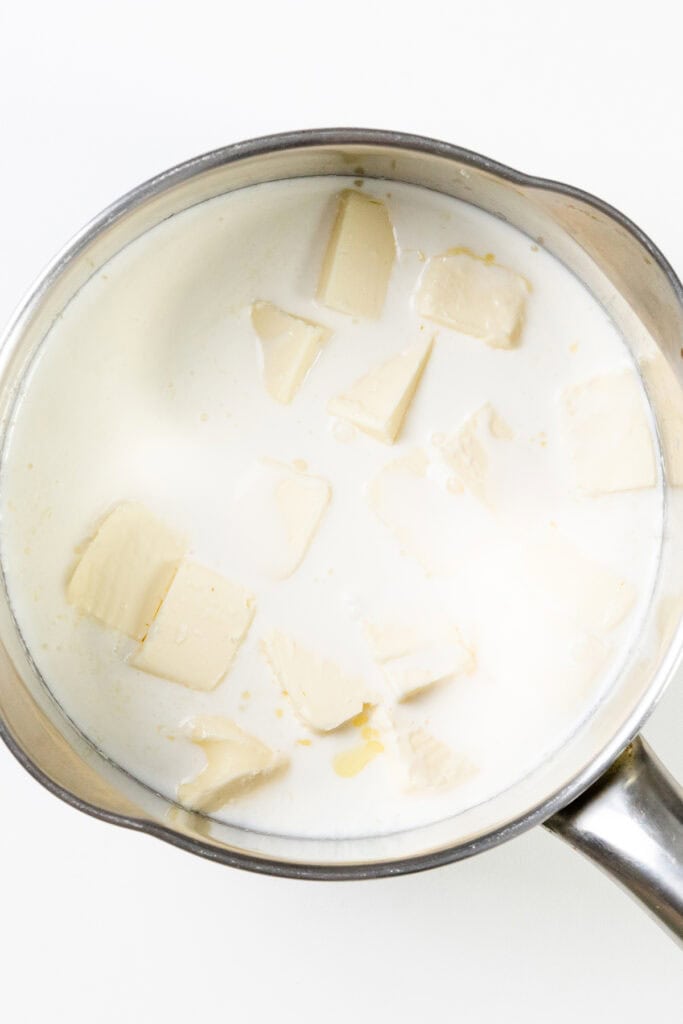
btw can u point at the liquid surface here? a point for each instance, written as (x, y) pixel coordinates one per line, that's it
(149, 388)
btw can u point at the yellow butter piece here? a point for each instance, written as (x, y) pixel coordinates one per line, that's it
(359, 257)
(391, 639)
(474, 296)
(235, 761)
(467, 451)
(277, 514)
(379, 401)
(290, 346)
(442, 658)
(416, 657)
(579, 588)
(126, 570)
(605, 425)
(322, 695)
(416, 511)
(429, 764)
(198, 630)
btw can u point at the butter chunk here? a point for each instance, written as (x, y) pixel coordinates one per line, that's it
(429, 764)
(434, 661)
(474, 296)
(126, 570)
(608, 436)
(290, 346)
(235, 761)
(416, 511)
(467, 451)
(584, 591)
(391, 640)
(199, 628)
(359, 258)
(322, 695)
(277, 514)
(667, 396)
(379, 401)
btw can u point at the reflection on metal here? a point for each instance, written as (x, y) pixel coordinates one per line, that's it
(630, 822)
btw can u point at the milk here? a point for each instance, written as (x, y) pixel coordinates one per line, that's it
(149, 388)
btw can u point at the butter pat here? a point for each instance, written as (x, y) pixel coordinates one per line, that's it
(582, 590)
(201, 623)
(416, 511)
(429, 764)
(467, 451)
(391, 640)
(278, 512)
(667, 396)
(235, 761)
(474, 296)
(359, 258)
(378, 402)
(290, 346)
(608, 436)
(435, 660)
(322, 695)
(126, 570)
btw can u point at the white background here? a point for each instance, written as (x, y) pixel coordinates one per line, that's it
(100, 925)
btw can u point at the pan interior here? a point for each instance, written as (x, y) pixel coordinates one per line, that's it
(480, 815)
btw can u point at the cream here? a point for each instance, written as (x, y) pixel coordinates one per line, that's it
(150, 388)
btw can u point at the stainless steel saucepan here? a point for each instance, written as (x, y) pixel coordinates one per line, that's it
(603, 791)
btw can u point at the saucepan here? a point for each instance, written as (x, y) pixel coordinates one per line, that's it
(603, 790)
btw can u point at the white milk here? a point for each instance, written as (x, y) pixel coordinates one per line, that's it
(149, 388)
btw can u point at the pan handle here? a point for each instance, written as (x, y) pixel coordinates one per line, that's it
(630, 823)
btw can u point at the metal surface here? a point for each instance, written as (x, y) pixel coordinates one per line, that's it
(620, 266)
(630, 823)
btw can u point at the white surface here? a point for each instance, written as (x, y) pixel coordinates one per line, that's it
(99, 924)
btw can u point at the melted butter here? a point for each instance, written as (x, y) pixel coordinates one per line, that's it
(369, 734)
(362, 717)
(352, 762)
(459, 250)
